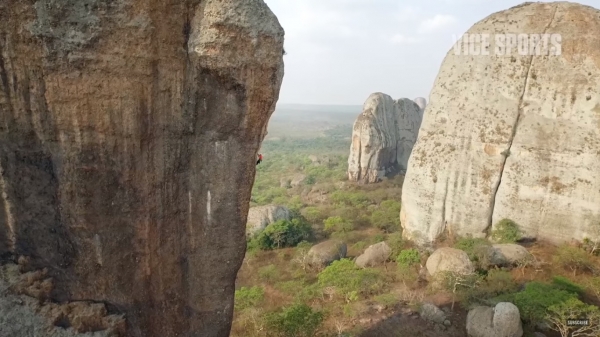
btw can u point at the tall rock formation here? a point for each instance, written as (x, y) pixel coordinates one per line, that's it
(513, 136)
(421, 102)
(383, 137)
(128, 136)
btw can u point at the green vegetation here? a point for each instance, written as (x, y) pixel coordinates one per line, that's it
(282, 233)
(387, 217)
(408, 258)
(573, 258)
(507, 231)
(476, 249)
(536, 298)
(350, 280)
(280, 293)
(559, 314)
(298, 320)
(248, 297)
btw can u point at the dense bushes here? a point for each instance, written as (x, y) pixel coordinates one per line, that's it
(280, 234)
(298, 320)
(573, 258)
(408, 258)
(387, 217)
(476, 249)
(507, 231)
(248, 297)
(349, 280)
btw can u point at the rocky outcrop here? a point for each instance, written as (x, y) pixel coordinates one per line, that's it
(25, 309)
(128, 136)
(449, 260)
(508, 254)
(421, 102)
(261, 216)
(503, 320)
(513, 136)
(324, 253)
(382, 138)
(374, 255)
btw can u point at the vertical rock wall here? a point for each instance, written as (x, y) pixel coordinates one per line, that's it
(128, 136)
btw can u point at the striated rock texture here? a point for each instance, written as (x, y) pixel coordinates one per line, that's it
(128, 136)
(513, 136)
(382, 138)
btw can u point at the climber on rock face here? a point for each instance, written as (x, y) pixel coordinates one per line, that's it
(259, 159)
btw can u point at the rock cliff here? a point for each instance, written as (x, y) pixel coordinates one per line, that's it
(128, 136)
(513, 136)
(382, 138)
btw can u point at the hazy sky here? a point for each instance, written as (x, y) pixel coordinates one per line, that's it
(340, 51)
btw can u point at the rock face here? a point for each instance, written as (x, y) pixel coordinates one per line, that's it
(431, 313)
(449, 260)
(503, 320)
(324, 253)
(508, 254)
(382, 138)
(261, 216)
(374, 255)
(513, 136)
(128, 136)
(421, 102)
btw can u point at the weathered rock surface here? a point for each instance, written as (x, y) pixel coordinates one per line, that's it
(26, 311)
(383, 137)
(261, 216)
(432, 313)
(421, 102)
(374, 255)
(449, 260)
(324, 253)
(128, 136)
(513, 136)
(508, 254)
(503, 320)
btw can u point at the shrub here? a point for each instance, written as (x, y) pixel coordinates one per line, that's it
(298, 320)
(337, 224)
(592, 285)
(558, 314)
(476, 249)
(283, 233)
(268, 273)
(312, 214)
(536, 298)
(496, 283)
(353, 199)
(378, 238)
(396, 243)
(507, 231)
(563, 283)
(248, 297)
(408, 257)
(387, 300)
(347, 278)
(573, 258)
(387, 217)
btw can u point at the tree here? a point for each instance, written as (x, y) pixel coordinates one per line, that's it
(560, 314)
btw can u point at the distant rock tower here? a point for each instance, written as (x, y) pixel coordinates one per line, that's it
(383, 137)
(421, 102)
